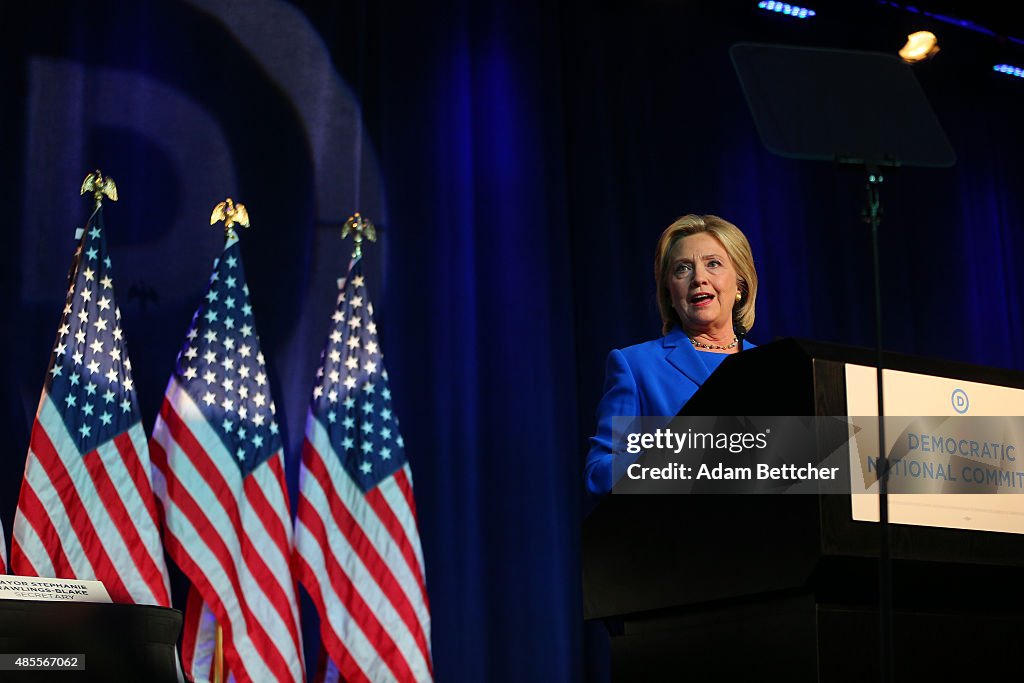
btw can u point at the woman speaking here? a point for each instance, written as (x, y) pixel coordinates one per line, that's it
(706, 287)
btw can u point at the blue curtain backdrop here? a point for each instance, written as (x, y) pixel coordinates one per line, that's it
(520, 159)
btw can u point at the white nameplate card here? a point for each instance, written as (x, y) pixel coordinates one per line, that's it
(51, 590)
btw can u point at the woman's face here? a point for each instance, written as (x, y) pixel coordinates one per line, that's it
(703, 285)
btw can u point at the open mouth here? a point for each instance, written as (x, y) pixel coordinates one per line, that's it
(702, 298)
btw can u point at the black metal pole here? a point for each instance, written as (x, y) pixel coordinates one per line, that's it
(873, 216)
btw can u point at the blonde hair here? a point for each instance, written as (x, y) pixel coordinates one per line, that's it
(736, 247)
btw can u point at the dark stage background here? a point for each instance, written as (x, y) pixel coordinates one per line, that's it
(520, 159)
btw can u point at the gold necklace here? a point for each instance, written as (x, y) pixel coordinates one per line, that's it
(714, 347)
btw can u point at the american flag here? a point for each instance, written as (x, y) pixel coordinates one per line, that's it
(86, 509)
(357, 547)
(219, 472)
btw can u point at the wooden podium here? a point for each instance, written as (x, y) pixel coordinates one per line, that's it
(119, 642)
(784, 587)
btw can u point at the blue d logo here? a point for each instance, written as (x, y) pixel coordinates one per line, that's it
(960, 401)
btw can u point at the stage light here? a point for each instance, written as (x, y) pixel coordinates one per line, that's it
(787, 9)
(921, 45)
(1009, 70)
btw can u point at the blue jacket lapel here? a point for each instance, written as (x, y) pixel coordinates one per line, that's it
(683, 356)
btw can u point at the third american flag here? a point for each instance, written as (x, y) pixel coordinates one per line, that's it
(357, 547)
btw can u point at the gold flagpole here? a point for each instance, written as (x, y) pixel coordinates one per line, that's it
(218, 656)
(232, 214)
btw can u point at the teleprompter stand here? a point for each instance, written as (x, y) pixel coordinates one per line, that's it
(859, 108)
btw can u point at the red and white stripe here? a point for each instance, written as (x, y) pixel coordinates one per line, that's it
(89, 516)
(232, 538)
(359, 557)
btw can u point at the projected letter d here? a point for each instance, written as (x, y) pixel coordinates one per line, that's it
(961, 403)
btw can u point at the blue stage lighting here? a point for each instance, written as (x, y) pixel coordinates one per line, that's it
(1009, 70)
(787, 9)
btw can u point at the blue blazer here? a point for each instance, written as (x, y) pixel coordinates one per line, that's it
(650, 379)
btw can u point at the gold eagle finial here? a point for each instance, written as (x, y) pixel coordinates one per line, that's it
(359, 227)
(230, 213)
(99, 186)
